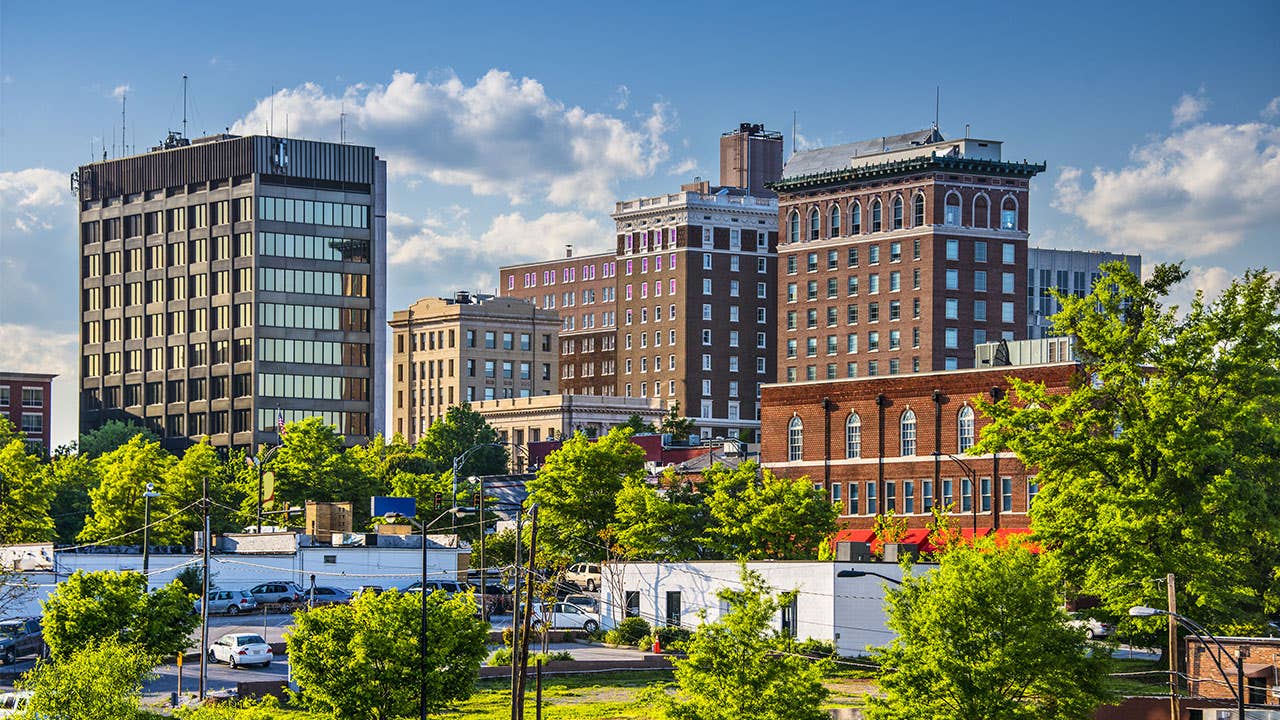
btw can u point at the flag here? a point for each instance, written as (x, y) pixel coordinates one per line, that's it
(280, 421)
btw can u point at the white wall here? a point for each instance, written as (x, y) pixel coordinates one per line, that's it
(351, 567)
(846, 611)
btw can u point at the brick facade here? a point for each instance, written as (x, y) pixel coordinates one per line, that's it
(875, 473)
(1261, 669)
(26, 399)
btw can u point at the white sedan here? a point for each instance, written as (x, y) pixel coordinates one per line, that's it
(238, 649)
(564, 616)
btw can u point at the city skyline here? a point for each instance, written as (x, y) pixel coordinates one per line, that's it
(500, 139)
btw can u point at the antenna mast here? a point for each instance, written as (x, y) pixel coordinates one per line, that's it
(342, 125)
(272, 122)
(793, 132)
(124, 149)
(184, 105)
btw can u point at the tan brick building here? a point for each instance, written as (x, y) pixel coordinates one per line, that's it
(871, 443)
(464, 349)
(533, 419)
(898, 255)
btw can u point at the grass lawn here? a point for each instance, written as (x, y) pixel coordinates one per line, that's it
(608, 696)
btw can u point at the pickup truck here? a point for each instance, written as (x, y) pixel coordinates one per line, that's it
(20, 637)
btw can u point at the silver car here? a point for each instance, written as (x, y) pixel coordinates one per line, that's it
(231, 602)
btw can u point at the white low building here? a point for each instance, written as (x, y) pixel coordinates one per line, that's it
(256, 559)
(846, 611)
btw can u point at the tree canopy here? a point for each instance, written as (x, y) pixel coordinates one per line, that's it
(984, 636)
(101, 680)
(741, 666)
(362, 659)
(24, 496)
(93, 606)
(756, 515)
(111, 435)
(1164, 456)
(117, 500)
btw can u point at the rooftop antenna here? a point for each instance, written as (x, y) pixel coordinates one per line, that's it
(342, 125)
(124, 149)
(184, 105)
(271, 123)
(286, 124)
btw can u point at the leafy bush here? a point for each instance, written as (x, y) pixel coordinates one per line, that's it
(628, 632)
(102, 678)
(672, 638)
(816, 648)
(502, 656)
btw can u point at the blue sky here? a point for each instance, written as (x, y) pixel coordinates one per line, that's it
(511, 128)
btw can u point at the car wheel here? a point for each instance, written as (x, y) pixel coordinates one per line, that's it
(9, 658)
(233, 609)
(1088, 634)
(591, 586)
(213, 659)
(286, 607)
(591, 626)
(234, 665)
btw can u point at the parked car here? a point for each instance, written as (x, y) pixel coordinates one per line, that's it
(322, 595)
(284, 594)
(20, 637)
(1092, 627)
(587, 602)
(452, 587)
(231, 602)
(238, 649)
(584, 575)
(13, 704)
(563, 616)
(375, 589)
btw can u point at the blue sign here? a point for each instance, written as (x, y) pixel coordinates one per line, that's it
(379, 506)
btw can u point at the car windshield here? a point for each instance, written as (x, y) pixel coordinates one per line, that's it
(251, 640)
(10, 630)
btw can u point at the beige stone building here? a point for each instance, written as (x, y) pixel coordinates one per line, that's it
(534, 419)
(468, 349)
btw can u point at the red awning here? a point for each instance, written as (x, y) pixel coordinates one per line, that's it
(854, 535)
(916, 536)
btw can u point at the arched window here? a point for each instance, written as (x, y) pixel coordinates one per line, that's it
(1009, 214)
(835, 220)
(897, 212)
(981, 212)
(964, 428)
(917, 210)
(853, 436)
(795, 439)
(951, 216)
(855, 218)
(875, 216)
(908, 433)
(793, 227)
(815, 224)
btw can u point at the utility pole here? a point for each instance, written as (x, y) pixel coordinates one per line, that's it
(149, 493)
(528, 615)
(204, 587)
(515, 612)
(1173, 646)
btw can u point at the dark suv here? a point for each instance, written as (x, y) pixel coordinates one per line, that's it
(287, 595)
(20, 637)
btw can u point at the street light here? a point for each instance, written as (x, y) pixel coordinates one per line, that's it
(146, 527)
(1238, 689)
(422, 590)
(973, 486)
(458, 460)
(258, 461)
(851, 573)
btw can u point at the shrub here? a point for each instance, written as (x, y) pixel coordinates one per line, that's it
(502, 656)
(816, 648)
(672, 638)
(628, 632)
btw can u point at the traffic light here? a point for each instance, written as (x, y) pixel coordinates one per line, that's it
(475, 500)
(439, 500)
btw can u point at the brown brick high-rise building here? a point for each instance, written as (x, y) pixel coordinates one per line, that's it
(898, 255)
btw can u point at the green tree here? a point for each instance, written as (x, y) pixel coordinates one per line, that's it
(459, 430)
(677, 425)
(984, 636)
(576, 490)
(637, 425)
(9, 432)
(661, 524)
(111, 435)
(71, 477)
(117, 500)
(741, 667)
(363, 660)
(94, 606)
(24, 496)
(759, 516)
(311, 465)
(1162, 457)
(184, 485)
(101, 680)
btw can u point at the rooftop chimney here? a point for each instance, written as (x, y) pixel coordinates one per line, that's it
(568, 250)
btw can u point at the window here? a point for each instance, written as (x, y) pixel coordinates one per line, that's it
(908, 497)
(873, 283)
(917, 210)
(981, 212)
(953, 249)
(953, 279)
(1006, 312)
(875, 216)
(951, 309)
(1006, 283)
(815, 224)
(855, 219)
(871, 498)
(964, 428)
(897, 212)
(1033, 489)
(834, 221)
(795, 439)
(853, 436)
(951, 214)
(1009, 214)
(31, 397)
(951, 339)
(706, 286)
(979, 280)
(980, 310)
(1007, 253)
(926, 494)
(985, 484)
(1006, 494)
(907, 433)
(793, 227)
(673, 608)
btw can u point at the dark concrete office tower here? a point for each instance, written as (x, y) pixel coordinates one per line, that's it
(230, 281)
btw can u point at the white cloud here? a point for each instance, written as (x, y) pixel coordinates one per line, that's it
(445, 239)
(1203, 189)
(1190, 108)
(624, 97)
(25, 348)
(120, 91)
(28, 197)
(501, 135)
(684, 167)
(1272, 110)
(1209, 280)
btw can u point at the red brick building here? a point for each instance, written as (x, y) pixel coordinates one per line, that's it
(26, 399)
(872, 442)
(1261, 658)
(898, 255)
